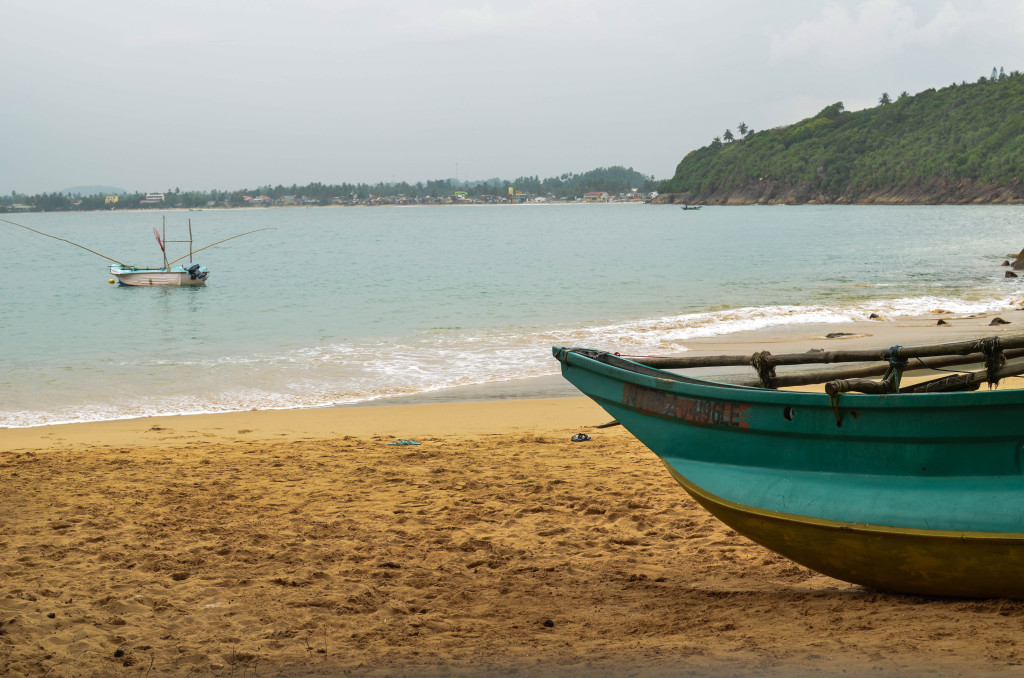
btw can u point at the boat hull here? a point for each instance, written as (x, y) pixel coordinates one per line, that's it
(147, 277)
(914, 493)
(924, 562)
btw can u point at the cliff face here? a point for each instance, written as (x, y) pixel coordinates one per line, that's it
(772, 192)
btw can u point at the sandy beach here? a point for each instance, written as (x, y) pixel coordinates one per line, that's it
(294, 543)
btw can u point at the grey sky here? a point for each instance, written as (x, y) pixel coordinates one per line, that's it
(225, 94)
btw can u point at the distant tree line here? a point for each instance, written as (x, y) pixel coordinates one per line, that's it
(964, 131)
(614, 180)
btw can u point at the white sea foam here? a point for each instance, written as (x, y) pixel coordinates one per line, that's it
(349, 373)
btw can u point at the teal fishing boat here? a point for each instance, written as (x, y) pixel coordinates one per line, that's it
(899, 489)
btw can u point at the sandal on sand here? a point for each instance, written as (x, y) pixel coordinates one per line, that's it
(580, 437)
(404, 442)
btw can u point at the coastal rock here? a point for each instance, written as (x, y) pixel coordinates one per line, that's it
(769, 191)
(1010, 274)
(999, 321)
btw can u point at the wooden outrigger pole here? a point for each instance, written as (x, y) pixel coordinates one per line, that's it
(852, 356)
(64, 240)
(992, 351)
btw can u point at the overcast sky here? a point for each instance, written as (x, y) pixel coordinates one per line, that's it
(150, 95)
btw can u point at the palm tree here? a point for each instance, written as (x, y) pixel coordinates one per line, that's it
(742, 127)
(728, 136)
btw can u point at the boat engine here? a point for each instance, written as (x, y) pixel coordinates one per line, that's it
(193, 271)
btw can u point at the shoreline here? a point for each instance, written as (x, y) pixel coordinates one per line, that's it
(798, 338)
(667, 199)
(300, 542)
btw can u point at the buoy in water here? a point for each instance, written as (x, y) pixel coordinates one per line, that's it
(111, 280)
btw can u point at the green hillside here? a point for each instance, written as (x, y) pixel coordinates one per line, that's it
(962, 143)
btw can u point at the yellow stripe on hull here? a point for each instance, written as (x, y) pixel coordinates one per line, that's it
(927, 562)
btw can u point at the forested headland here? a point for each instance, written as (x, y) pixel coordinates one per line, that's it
(957, 145)
(615, 180)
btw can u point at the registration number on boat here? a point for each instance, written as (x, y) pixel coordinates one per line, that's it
(692, 410)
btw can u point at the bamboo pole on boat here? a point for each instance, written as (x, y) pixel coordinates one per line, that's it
(971, 380)
(968, 381)
(826, 357)
(163, 248)
(958, 381)
(809, 377)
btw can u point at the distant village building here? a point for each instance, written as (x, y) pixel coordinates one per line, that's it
(110, 200)
(152, 199)
(595, 196)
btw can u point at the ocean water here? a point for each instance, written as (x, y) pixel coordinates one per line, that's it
(349, 305)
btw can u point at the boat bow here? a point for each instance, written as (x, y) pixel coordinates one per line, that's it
(910, 492)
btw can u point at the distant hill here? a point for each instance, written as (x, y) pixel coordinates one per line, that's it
(960, 144)
(85, 191)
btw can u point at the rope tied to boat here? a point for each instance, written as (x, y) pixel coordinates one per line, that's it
(896, 366)
(765, 367)
(889, 383)
(833, 399)
(992, 349)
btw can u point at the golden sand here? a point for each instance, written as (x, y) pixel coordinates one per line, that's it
(302, 543)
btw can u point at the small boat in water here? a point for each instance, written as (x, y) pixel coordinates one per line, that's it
(153, 276)
(168, 274)
(914, 489)
(171, 275)
(691, 207)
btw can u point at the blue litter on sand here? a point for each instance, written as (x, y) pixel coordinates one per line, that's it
(404, 442)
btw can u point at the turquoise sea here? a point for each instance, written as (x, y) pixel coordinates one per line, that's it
(350, 305)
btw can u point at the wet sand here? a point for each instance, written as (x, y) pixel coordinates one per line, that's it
(301, 543)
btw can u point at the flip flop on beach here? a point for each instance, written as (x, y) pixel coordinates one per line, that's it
(404, 442)
(580, 437)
